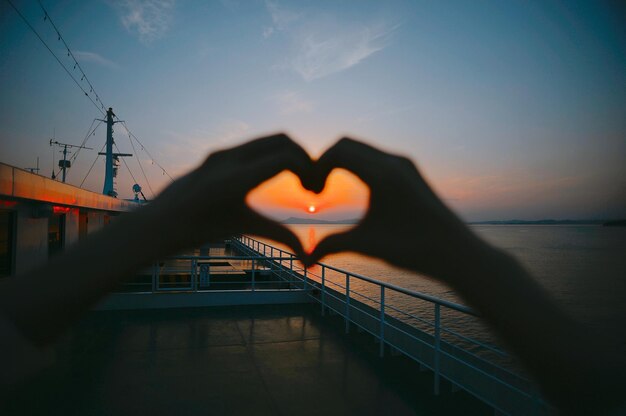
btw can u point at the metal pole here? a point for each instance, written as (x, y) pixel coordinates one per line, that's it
(253, 272)
(304, 283)
(323, 290)
(108, 163)
(154, 276)
(194, 275)
(64, 162)
(382, 321)
(347, 303)
(437, 347)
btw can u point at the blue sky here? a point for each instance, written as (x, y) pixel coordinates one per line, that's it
(510, 109)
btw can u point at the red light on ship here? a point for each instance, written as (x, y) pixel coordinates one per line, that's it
(60, 210)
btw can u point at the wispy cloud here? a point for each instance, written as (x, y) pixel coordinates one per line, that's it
(292, 102)
(281, 18)
(84, 56)
(321, 46)
(322, 54)
(187, 149)
(149, 19)
(268, 31)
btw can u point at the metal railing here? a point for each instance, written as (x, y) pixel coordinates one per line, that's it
(468, 363)
(187, 273)
(431, 334)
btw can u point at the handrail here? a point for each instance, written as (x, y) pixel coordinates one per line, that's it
(412, 293)
(343, 293)
(339, 292)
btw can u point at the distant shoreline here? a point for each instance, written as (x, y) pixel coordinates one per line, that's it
(607, 223)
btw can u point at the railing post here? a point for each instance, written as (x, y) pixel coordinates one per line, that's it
(155, 276)
(304, 282)
(323, 290)
(253, 272)
(347, 303)
(194, 275)
(382, 321)
(437, 347)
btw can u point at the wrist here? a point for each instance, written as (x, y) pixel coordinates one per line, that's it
(475, 260)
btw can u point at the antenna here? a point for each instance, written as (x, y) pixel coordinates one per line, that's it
(34, 170)
(64, 164)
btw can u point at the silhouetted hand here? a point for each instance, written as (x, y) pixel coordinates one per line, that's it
(409, 226)
(209, 203)
(206, 204)
(406, 224)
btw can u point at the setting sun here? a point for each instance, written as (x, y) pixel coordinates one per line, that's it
(344, 196)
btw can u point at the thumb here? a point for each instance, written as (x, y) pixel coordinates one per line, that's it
(332, 244)
(262, 226)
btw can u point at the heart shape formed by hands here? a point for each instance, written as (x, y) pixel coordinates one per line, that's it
(344, 197)
(404, 214)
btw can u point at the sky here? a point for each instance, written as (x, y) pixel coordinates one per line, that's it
(511, 110)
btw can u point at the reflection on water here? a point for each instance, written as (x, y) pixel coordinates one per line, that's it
(582, 266)
(312, 243)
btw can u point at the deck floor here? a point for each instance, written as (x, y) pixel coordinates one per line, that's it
(255, 360)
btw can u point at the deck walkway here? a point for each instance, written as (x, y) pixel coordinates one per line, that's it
(253, 360)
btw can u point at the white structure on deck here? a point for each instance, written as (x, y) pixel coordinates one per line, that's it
(40, 216)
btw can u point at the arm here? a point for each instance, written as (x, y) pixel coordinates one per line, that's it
(206, 204)
(575, 371)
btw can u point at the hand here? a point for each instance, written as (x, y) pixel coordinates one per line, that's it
(209, 203)
(409, 226)
(406, 224)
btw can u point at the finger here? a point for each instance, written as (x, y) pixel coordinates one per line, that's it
(332, 244)
(262, 145)
(264, 227)
(289, 156)
(363, 160)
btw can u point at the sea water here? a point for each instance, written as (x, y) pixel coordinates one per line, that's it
(582, 266)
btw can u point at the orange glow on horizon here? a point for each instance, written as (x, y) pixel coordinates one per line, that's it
(343, 192)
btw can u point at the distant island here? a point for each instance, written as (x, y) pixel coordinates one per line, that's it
(295, 220)
(611, 223)
(539, 222)
(615, 223)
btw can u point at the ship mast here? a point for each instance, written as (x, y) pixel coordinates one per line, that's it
(112, 160)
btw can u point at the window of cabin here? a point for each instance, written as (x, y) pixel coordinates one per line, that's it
(56, 233)
(7, 221)
(83, 224)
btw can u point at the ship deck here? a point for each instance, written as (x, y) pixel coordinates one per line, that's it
(261, 360)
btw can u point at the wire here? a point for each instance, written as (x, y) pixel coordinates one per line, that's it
(72, 159)
(101, 107)
(69, 53)
(124, 160)
(92, 165)
(140, 166)
(131, 135)
(55, 56)
(90, 133)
